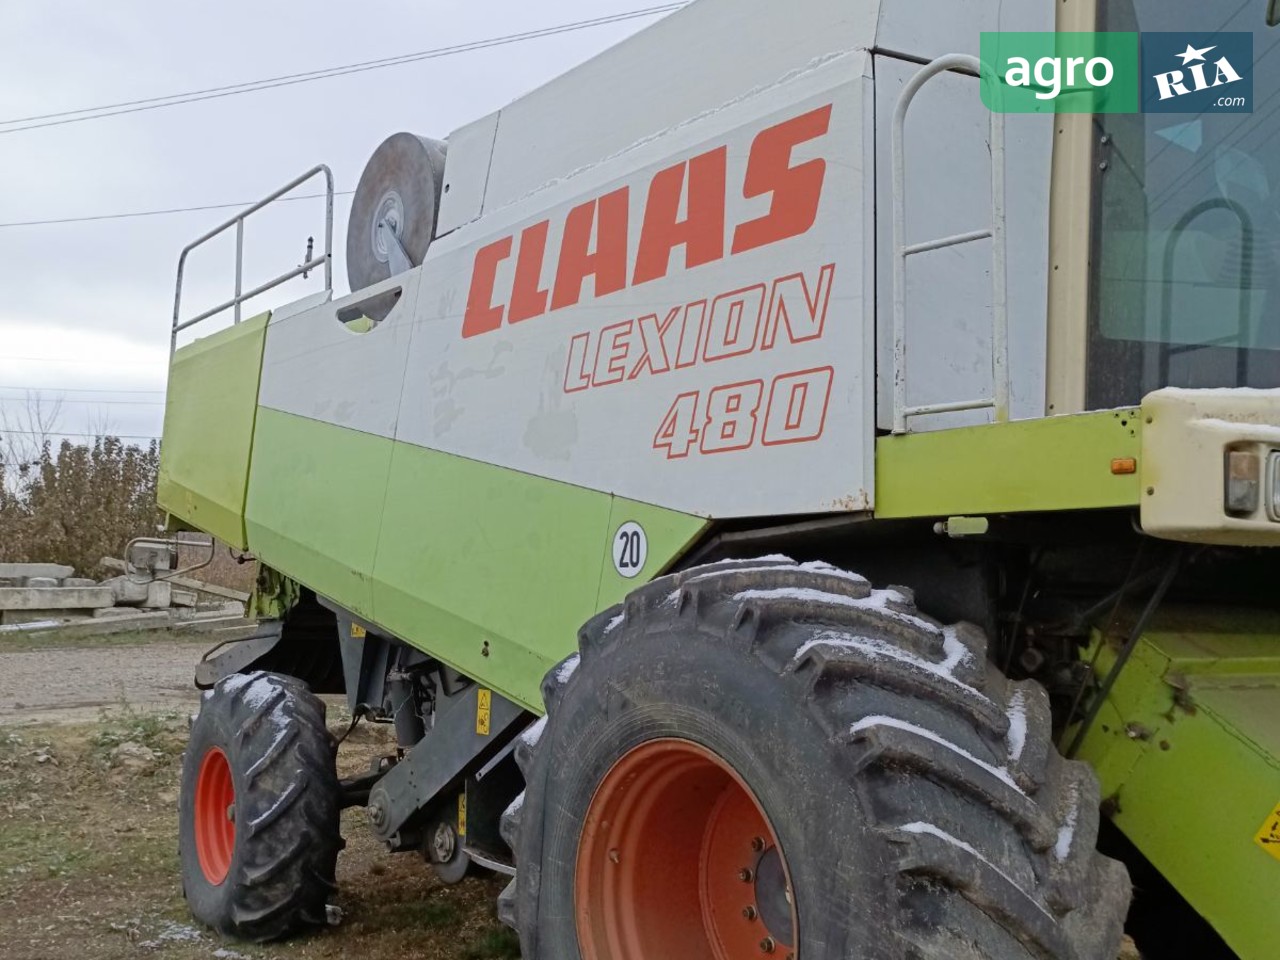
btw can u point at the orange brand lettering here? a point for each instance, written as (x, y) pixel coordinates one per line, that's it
(528, 298)
(482, 316)
(686, 206)
(607, 217)
(796, 190)
(701, 232)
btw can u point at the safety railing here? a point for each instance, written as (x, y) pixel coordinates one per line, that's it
(902, 251)
(1168, 349)
(325, 260)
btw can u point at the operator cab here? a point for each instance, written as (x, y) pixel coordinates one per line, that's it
(1185, 252)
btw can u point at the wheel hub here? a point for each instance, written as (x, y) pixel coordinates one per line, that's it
(391, 211)
(677, 858)
(215, 816)
(443, 843)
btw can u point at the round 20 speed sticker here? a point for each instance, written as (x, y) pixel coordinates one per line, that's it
(630, 550)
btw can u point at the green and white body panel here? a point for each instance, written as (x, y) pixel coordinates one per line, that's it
(575, 357)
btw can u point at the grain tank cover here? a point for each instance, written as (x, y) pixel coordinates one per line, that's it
(396, 205)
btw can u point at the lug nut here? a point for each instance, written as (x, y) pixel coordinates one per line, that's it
(745, 875)
(749, 913)
(767, 945)
(757, 844)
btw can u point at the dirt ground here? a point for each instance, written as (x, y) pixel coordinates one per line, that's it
(88, 848)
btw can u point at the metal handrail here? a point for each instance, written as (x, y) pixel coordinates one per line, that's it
(1247, 240)
(325, 260)
(902, 250)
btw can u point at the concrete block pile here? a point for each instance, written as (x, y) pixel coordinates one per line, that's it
(47, 596)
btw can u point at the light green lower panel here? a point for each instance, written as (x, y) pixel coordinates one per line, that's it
(494, 571)
(1188, 751)
(208, 430)
(315, 504)
(1057, 463)
(491, 570)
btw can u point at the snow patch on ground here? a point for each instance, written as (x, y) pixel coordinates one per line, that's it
(173, 933)
(1017, 725)
(868, 723)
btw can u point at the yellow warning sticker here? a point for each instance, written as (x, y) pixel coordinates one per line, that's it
(1268, 837)
(462, 814)
(484, 707)
(357, 631)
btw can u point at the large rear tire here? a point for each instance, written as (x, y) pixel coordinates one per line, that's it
(762, 758)
(259, 809)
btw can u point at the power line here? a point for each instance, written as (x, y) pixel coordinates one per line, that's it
(112, 390)
(41, 121)
(111, 403)
(161, 213)
(115, 363)
(54, 434)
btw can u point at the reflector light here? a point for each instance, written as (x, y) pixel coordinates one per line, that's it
(1124, 466)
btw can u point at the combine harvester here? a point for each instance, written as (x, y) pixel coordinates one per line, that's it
(712, 301)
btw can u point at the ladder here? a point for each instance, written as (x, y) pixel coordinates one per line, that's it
(999, 403)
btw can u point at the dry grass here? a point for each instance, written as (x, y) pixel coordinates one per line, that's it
(88, 863)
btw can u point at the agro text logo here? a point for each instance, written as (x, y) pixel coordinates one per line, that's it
(1197, 74)
(1060, 72)
(1117, 72)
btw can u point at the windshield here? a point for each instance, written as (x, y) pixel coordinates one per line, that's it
(1186, 258)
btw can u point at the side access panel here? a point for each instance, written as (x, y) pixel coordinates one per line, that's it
(1188, 752)
(209, 421)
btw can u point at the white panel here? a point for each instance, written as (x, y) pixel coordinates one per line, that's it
(315, 367)
(466, 173)
(506, 397)
(948, 187)
(931, 28)
(706, 55)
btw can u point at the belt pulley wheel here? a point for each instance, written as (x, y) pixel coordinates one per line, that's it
(401, 188)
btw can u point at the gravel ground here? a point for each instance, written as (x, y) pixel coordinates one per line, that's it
(73, 685)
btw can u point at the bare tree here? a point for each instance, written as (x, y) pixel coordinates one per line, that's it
(27, 430)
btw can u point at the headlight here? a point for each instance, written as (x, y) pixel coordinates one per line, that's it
(1273, 472)
(1244, 482)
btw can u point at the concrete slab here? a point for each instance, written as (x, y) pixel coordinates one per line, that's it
(55, 598)
(42, 583)
(20, 571)
(183, 598)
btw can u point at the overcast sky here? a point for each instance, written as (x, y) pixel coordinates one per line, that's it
(87, 306)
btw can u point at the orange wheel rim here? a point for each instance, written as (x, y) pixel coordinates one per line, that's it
(215, 826)
(677, 859)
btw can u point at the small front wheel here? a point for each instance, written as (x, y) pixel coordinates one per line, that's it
(259, 809)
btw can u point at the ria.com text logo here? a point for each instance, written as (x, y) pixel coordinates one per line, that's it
(1117, 72)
